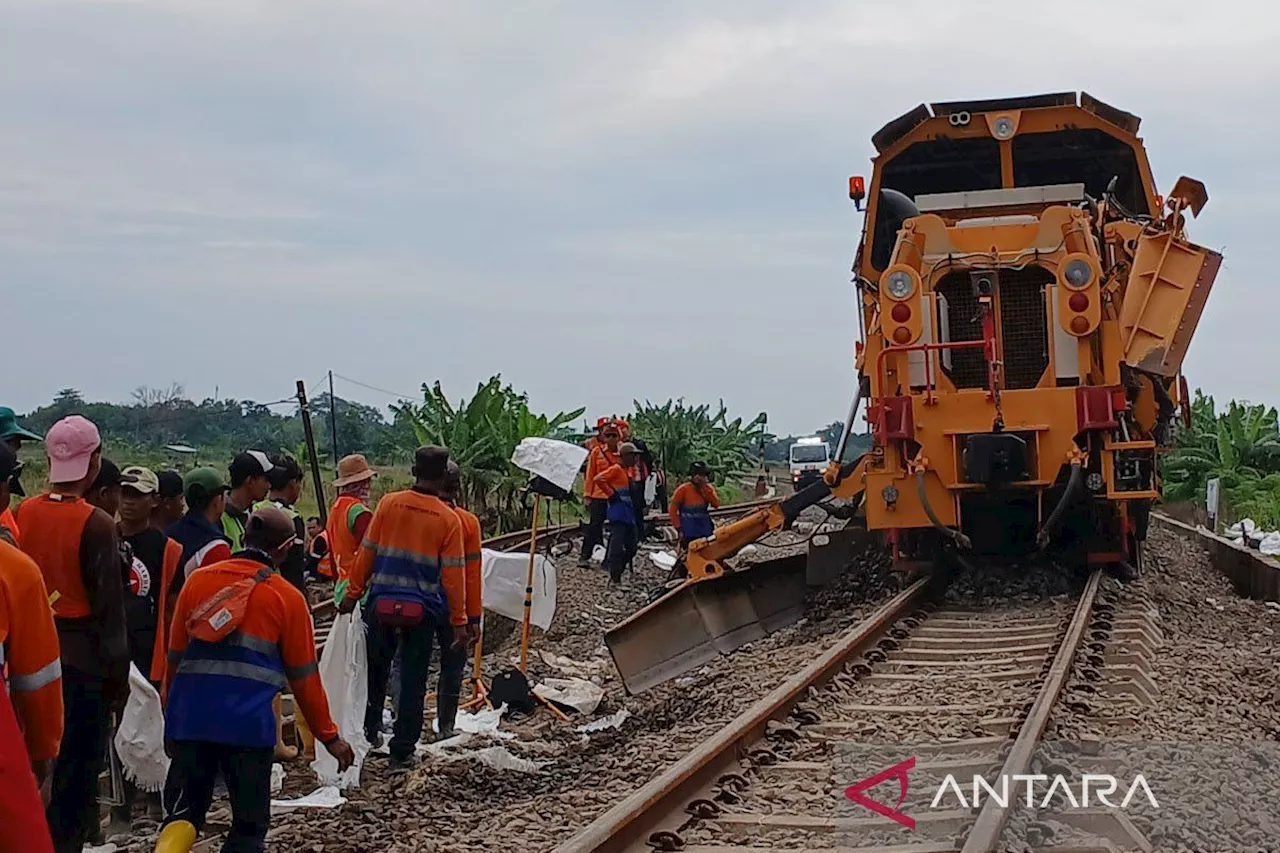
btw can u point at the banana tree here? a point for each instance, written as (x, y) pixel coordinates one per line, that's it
(481, 434)
(678, 435)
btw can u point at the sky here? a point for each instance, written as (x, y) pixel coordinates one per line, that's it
(600, 200)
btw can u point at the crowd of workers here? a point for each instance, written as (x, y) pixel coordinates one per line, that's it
(199, 582)
(618, 468)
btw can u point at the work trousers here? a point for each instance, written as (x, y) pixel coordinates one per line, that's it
(637, 501)
(598, 508)
(247, 771)
(415, 650)
(621, 548)
(73, 801)
(453, 660)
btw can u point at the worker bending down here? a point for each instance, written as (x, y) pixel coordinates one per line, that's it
(692, 503)
(615, 483)
(413, 563)
(240, 634)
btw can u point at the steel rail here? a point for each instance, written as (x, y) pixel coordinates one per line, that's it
(628, 824)
(984, 836)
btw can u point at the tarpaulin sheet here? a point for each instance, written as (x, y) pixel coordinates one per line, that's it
(557, 461)
(504, 581)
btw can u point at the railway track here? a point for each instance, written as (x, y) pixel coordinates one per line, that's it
(919, 690)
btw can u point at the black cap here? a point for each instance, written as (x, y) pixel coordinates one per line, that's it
(108, 476)
(10, 467)
(699, 468)
(170, 484)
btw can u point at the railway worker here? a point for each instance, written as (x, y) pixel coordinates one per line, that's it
(602, 457)
(22, 823)
(319, 561)
(12, 434)
(453, 657)
(639, 480)
(593, 441)
(285, 479)
(692, 503)
(221, 678)
(615, 483)
(349, 518)
(75, 546)
(413, 562)
(153, 564)
(29, 648)
(199, 531)
(249, 484)
(170, 505)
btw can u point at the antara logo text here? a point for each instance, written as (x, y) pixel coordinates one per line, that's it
(1037, 790)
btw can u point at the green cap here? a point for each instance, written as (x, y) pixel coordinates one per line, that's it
(203, 482)
(9, 427)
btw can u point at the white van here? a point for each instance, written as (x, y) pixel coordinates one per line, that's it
(809, 458)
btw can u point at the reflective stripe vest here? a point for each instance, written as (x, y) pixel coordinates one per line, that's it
(600, 460)
(691, 510)
(23, 828)
(10, 524)
(52, 527)
(222, 692)
(29, 653)
(172, 560)
(471, 546)
(324, 561)
(343, 544)
(615, 484)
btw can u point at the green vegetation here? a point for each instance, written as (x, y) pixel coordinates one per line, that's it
(679, 435)
(481, 434)
(1241, 447)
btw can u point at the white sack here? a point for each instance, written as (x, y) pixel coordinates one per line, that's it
(483, 722)
(605, 723)
(504, 580)
(664, 560)
(576, 693)
(139, 740)
(557, 461)
(1243, 527)
(277, 778)
(1270, 543)
(343, 667)
(321, 798)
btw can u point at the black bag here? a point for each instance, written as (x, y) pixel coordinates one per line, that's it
(511, 688)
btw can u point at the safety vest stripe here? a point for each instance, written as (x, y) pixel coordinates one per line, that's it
(453, 562)
(392, 579)
(474, 556)
(385, 552)
(234, 669)
(256, 644)
(43, 676)
(295, 673)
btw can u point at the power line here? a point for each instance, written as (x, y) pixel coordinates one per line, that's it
(395, 394)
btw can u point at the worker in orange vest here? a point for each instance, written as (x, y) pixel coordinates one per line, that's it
(23, 828)
(602, 456)
(319, 560)
(453, 658)
(29, 656)
(615, 483)
(349, 518)
(12, 435)
(241, 633)
(75, 546)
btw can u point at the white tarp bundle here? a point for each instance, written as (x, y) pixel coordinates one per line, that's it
(327, 797)
(139, 740)
(1270, 544)
(1243, 527)
(557, 461)
(343, 667)
(504, 581)
(577, 693)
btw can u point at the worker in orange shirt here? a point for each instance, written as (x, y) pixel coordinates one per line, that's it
(414, 565)
(615, 483)
(692, 503)
(240, 634)
(23, 828)
(29, 654)
(12, 434)
(453, 658)
(349, 518)
(602, 456)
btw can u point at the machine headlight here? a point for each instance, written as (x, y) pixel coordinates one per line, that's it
(1002, 127)
(1077, 272)
(899, 284)
(1094, 481)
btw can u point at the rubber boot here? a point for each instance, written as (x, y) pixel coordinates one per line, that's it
(284, 752)
(306, 740)
(177, 837)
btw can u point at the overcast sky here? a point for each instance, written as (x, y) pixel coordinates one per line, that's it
(600, 200)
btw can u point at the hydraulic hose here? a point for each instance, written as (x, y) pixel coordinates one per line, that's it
(955, 535)
(1073, 485)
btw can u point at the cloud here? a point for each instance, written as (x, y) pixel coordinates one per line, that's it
(421, 189)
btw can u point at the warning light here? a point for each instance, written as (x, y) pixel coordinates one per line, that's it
(902, 335)
(901, 312)
(857, 191)
(1079, 325)
(1078, 302)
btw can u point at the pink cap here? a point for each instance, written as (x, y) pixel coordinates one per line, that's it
(70, 445)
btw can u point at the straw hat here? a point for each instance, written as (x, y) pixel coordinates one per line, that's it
(353, 469)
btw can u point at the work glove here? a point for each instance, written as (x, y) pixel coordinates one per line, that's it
(346, 605)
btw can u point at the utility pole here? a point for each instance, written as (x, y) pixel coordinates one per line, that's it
(333, 424)
(311, 452)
